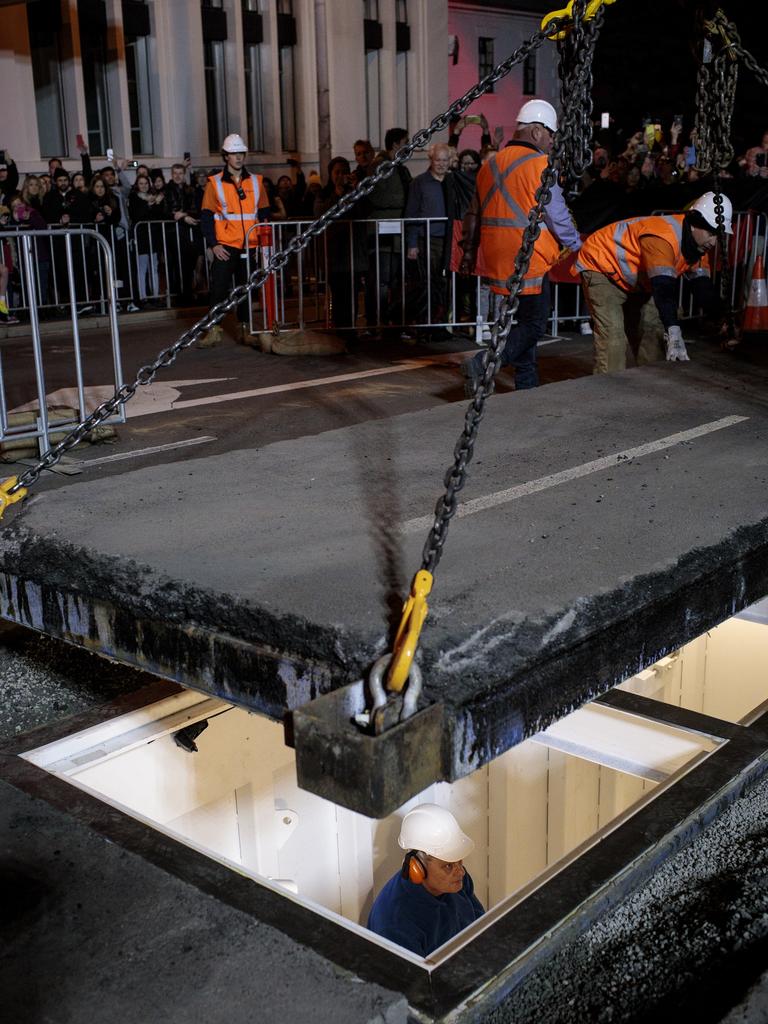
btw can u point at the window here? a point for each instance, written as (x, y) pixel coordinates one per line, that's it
(136, 28)
(286, 33)
(254, 100)
(485, 62)
(93, 54)
(401, 62)
(214, 36)
(44, 21)
(372, 43)
(529, 75)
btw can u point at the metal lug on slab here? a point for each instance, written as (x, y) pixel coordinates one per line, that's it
(373, 775)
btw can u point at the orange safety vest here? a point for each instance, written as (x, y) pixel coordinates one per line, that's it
(615, 251)
(232, 215)
(506, 189)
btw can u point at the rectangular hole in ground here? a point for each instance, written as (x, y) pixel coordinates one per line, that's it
(723, 673)
(236, 798)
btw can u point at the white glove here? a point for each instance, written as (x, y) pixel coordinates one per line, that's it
(676, 351)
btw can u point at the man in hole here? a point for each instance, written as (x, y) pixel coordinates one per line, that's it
(432, 897)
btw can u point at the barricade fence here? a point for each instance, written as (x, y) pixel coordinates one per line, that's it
(360, 275)
(58, 260)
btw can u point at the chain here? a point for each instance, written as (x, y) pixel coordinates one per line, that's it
(568, 140)
(716, 97)
(147, 373)
(725, 263)
(576, 147)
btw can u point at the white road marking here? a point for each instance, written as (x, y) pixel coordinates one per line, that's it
(119, 456)
(342, 378)
(487, 501)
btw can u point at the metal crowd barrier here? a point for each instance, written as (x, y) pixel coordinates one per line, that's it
(365, 263)
(356, 276)
(32, 249)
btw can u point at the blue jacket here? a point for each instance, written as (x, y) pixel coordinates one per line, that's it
(410, 916)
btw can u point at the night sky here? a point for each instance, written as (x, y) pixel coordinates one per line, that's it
(645, 63)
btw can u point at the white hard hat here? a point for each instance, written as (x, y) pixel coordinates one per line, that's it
(706, 207)
(434, 830)
(233, 144)
(538, 112)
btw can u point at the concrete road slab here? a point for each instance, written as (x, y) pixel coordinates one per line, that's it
(609, 519)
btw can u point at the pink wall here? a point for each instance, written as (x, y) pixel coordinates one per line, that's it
(508, 31)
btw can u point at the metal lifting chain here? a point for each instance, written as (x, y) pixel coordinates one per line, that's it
(568, 140)
(715, 101)
(715, 98)
(576, 148)
(148, 372)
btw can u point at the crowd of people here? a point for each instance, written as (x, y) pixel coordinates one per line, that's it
(394, 249)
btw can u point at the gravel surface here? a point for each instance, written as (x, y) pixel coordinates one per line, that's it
(43, 680)
(687, 945)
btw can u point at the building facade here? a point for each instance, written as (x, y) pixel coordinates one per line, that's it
(155, 79)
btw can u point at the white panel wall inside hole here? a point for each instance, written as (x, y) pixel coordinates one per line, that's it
(722, 673)
(237, 797)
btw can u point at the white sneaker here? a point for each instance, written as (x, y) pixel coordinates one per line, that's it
(585, 327)
(132, 308)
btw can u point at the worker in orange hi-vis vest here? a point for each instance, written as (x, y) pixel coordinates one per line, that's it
(493, 234)
(629, 275)
(233, 202)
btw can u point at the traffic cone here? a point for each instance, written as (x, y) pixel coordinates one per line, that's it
(756, 312)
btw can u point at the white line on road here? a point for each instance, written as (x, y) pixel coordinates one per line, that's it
(487, 501)
(299, 385)
(119, 456)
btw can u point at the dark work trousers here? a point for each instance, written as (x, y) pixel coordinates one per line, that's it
(225, 274)
(427, 288)
(520, 348)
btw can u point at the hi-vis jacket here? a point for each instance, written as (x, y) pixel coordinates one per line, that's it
(506, 187)
(233, 216)
(633, 251)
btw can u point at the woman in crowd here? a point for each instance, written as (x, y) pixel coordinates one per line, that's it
(145, 208)
(26, 217)
(347, 255)
(78, 182)
(32, 192)
(105, 210)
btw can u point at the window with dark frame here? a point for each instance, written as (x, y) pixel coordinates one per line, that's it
(254, 101)
(485, 63)
(286, 66)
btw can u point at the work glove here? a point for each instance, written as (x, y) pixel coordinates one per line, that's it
(676, 351)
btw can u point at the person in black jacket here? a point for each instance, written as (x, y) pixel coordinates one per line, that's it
(9, 178)
(146, 208)
(64, 206)
(185, 239)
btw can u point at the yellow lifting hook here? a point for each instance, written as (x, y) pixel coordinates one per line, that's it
(6, 498)
(592, 8)
(408, 632)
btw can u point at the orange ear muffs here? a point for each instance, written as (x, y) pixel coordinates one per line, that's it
(413, 868)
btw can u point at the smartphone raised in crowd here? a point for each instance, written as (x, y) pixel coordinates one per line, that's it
(80, 141)
(2, 156)
(110, 154)
(187, 155)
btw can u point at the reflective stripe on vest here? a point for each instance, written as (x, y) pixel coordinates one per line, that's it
(506, 186)
(232, 222)
(615, 249)
(519, 218)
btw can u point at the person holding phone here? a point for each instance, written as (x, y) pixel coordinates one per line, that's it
(757, 159)
(233, 203)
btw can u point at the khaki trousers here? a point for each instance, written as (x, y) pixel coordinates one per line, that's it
(620, 318)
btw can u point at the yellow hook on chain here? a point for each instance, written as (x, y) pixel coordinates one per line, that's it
(406, 641)
(6, 498)
(592, 8)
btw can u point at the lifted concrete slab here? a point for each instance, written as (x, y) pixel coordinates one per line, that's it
(269, 577)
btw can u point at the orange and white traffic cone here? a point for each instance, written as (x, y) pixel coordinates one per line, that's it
(756, 311)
